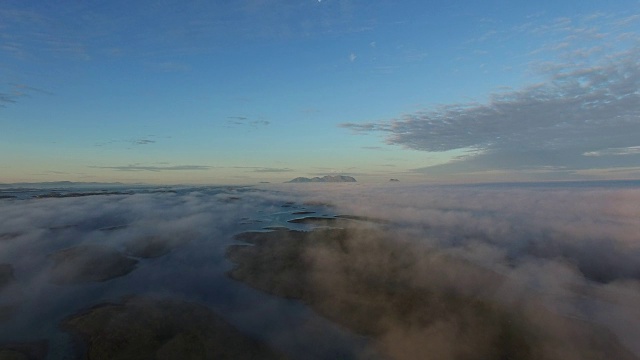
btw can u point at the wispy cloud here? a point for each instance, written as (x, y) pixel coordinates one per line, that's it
(272, 170)
(138, 167)
(259, 123)
(7, 98)
(143, 142)
(29, 33)
(631, 150)
(237, 118)
(246, 121)
(263, 169)
(15, 91)
(146, 140)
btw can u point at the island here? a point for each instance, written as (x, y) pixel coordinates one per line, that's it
(6, 275)
(326, 178)
(34, 350)
(150, 328)
(410, 299)
(89, 263)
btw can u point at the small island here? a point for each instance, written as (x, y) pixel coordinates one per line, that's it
(326, 178)
(150, 328)
(89, 263)
(6, 275)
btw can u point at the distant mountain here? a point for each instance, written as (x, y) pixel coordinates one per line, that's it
(327, 178)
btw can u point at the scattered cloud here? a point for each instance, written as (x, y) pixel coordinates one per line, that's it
(144, 142)
(24, 89)
(246, 121)
(256, 123)
(352, 57)
(17, 91)
(7, 98)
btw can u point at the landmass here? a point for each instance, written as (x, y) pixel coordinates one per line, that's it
(147, 328)
(36, 350)
(113, 228)
(89, 263)
(6, 275)
(7, 309)
(9, 236)
(327, 178)
(411, 300)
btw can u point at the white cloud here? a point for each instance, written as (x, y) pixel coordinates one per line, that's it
(631, 150)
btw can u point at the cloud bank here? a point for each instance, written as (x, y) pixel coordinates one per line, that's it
(561, 123)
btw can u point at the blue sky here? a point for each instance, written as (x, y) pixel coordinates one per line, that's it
(268, 90)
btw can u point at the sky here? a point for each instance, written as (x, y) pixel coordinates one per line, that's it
(240, 92)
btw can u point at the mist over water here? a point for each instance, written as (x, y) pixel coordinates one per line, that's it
(572, 247)
(571, 251)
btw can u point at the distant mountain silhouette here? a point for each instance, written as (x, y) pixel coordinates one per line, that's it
(327, 178)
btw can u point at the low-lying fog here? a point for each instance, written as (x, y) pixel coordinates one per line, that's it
(561, 258)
